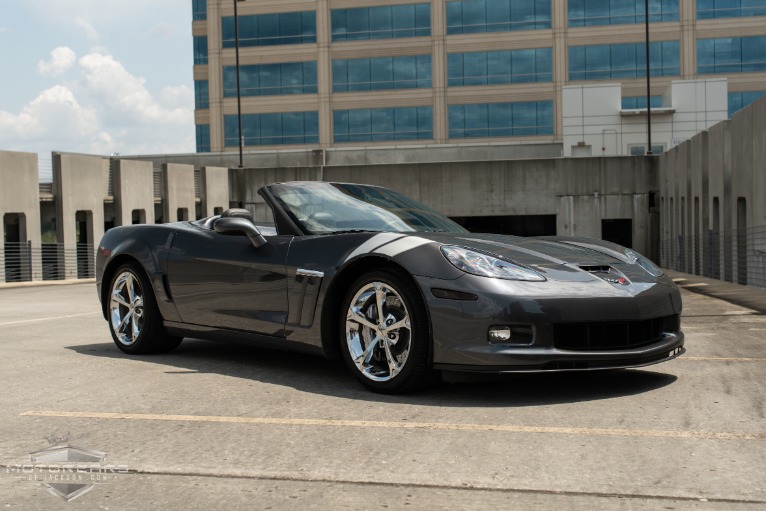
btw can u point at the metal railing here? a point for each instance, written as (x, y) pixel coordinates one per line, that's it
(23, 262)
(738, 256)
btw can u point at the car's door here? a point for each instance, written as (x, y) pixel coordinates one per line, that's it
(225, 282)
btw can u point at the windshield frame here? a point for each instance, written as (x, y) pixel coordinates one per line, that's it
(315, 208)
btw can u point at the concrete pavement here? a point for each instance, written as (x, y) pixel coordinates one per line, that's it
(216, 425)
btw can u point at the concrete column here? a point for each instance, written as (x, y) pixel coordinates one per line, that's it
(688, 18)
(80, 183)
(133, 183)
(23, 197)
(215, 189)
(324, 70)
(560, 61)
(215, 75)
(178, 188)
(439, 70)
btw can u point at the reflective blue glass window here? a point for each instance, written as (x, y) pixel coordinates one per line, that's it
(201, 94)
(270, 29)
(500, 67)
(381, 124)
(501, 119)
(707, 9)
(200, 49)
(203, 138)
(271, 79)
(739, 100)
(411, 72)
(477, 16)
(731, 55)
(584, 13)
(600, 62)
(273, 129)
(199, 10)
(384, 22)
(638, 102)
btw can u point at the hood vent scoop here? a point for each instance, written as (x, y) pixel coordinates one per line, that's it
(607, 273)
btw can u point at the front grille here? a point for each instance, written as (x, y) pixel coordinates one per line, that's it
(614, 335)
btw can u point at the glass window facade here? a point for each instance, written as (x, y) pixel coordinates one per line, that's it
(380, 124)
(501, 120)
(500, 67)
(273, 129)
(739, 100)
(731, 55)
(199, 10)
(637, 102)
(201, 94)
(412, 72)
(586, 13)
(271, 79)
(384, 22)
(270, 29)
(707, 9)
(623, 60)
(203, 138)
(200, 49)
(476, 16)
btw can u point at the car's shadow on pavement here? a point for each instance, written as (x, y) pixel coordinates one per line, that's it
(314, 374)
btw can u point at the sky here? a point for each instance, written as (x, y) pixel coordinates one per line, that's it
(96, 77)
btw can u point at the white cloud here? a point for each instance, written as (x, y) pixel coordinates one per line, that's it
(62, 59)
(162, 31)
(87, 27)
(106, 109)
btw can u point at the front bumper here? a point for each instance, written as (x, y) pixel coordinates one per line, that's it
(460, 327)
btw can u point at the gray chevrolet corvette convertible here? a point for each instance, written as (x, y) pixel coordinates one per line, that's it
(397, 290)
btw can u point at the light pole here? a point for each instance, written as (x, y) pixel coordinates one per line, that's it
(240, 138)
(648, 86)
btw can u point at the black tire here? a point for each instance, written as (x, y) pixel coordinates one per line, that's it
(135, 321)
(409, 345)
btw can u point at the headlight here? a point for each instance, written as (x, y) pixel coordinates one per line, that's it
(485, 265)
(644, 263)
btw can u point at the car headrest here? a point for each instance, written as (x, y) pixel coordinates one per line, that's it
(237, 212)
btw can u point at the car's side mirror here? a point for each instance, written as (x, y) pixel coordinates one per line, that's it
(238, 226)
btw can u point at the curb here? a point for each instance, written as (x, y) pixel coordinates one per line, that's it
(41, 283)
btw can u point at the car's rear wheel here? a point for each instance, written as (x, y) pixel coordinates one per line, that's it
(134, 319)
(385, 334)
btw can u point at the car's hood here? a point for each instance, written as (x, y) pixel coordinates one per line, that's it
(560, 258)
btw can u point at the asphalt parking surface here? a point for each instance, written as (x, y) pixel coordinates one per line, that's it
(218, 425)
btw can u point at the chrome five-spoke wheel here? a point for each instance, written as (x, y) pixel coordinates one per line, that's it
(126, 308)
(386, 339)
(134, 318)
(378, 331)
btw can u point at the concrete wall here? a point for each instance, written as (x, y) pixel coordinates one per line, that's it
(178, 192)
(80, 185)
(713, 195)
(20, 194)
(581, 191)
(363, 155)
(215, 189)
(133, 190)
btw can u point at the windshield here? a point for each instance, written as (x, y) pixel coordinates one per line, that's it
(322, 208)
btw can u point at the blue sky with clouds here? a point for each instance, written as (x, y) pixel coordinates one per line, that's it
(96, 76)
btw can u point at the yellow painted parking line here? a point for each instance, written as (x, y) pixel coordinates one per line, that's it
(697, 284)
(430, 426)
(723, 359)
(49, 318)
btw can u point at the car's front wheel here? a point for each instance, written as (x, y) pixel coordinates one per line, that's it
(134, 319)
(386, 339)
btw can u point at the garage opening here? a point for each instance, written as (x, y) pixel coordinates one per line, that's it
(85, 251)
(138, 216)
(17, 253)
(618, 230)
(516, 225)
